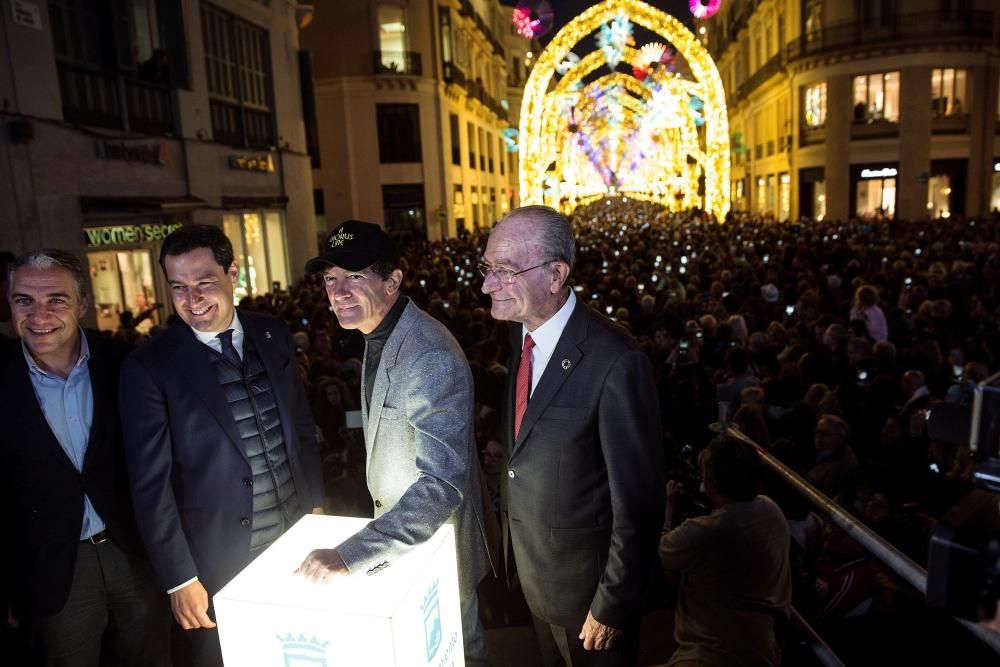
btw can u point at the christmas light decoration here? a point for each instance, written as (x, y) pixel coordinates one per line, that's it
(532, 19)
(704, 9)
(655, 131)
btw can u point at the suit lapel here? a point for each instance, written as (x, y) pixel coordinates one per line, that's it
(556, 371)
(25, 405)
(101, 390)
(192, 361)
(381, 388)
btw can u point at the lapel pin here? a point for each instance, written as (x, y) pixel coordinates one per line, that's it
(267, 335)
(566, 364)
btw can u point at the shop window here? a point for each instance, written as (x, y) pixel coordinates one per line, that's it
(458, 203)
(814, 105)
(876, 198)
(819, 200)
(939, 196)
(237, 66)
(122, 280)
(403, 208)
(761, 194)
(995, 197)
(770, 204)
(876, 98)
(258, 239)
(474, 201)
(948, 92)
(398, 133)
(784, 197)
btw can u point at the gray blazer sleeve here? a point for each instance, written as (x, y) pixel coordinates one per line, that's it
(436, 399)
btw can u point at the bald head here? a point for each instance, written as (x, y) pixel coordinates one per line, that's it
(548, 230)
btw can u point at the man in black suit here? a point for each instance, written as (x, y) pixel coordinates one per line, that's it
(72, 561)
(219, 438)
(583, 494)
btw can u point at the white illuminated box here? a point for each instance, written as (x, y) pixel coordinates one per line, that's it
(406, 614)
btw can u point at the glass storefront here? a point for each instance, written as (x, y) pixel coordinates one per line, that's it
(258, 239)
(819, 200)
(995, 197)
(939, 197)
(122, 280)
(875, 191)
(784, 197)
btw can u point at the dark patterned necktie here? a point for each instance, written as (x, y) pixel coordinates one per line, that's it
(228, 351)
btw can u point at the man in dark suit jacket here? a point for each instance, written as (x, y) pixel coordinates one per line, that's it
(220, 441)
(72, 562)
(583, 497)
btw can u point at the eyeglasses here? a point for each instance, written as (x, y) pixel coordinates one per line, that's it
(506, 276)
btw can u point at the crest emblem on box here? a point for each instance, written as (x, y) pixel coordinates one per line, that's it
(300, 651)
(432, 621)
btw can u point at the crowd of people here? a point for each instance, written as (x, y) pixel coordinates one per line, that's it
(825, 342)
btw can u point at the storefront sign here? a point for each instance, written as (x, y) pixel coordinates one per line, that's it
(259, 163)
(885, 172)
(157, 154)
(26, 14)
(126, 234)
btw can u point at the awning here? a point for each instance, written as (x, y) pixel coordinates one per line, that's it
(139, 205)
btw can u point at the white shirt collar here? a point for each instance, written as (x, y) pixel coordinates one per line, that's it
(547, 336)
(210, 338)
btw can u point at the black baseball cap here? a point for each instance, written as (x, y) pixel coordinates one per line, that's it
(355, 245)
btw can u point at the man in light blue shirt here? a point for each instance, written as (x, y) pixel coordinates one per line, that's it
(74, 564)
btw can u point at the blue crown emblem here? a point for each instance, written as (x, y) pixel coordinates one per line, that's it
(302, 651)
(432, 620)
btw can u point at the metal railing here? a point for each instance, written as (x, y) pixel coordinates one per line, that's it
(92, 97)
(892, 557)
(397, 62)
(898, 27)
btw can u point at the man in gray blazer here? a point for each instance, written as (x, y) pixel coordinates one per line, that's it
(583, 497)
(417, 413)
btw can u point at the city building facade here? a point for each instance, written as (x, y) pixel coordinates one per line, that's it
(123, 120)
(414, 105)
(869, 108)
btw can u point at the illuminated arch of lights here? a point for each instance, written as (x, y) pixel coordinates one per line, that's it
(622, 119)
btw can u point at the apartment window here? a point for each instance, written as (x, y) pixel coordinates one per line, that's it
(237, 63)
(482, 150)
(489, 149)
(814, 20)
(500, 151)
(398, 132)
(471, 129)
(444, 15)
(948, 91)
(117, 61)
(456, 140)
(474, 200)
(458, 203)
(876, 98)
(391, 31)
(814, 105)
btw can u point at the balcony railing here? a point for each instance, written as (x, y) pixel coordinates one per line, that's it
(454, 74)
(900, 27)
(92, 97)
(240, 126)
(812, 135)
(950, 124)
(874, 129)
(773, 66)
(397, 62)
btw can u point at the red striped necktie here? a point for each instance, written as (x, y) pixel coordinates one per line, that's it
(523, 384)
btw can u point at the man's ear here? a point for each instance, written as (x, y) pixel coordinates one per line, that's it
(394, 281)
(560, 274)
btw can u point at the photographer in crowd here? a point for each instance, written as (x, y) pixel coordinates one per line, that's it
(735, 586)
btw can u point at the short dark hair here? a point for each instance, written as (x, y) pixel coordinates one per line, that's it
(734, 467)
(48, 257)
(383, 268)
(192, 237)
